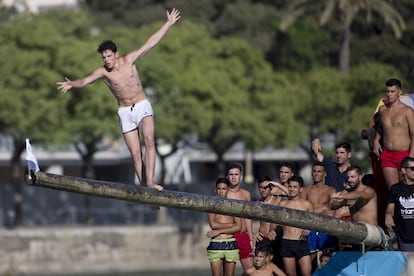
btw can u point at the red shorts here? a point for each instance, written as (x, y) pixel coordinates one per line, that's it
(243, 242)
(392, 159)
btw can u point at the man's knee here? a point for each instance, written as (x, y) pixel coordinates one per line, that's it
(149, 142)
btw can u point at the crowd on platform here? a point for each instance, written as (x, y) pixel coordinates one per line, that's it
(339, 189)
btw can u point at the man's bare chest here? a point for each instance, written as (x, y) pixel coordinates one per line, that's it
(393, 118)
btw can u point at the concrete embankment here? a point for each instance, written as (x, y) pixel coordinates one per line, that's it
(81, 249)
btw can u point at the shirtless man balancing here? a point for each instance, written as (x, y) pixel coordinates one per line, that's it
(135, 111)
(222, 251)
(394, 139)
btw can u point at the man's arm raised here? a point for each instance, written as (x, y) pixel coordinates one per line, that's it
(172, 17)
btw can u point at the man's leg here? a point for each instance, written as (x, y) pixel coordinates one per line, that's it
(132, 140)
(391, 176)
(305, 264)
(147, 126)
(290, 265)
(246, 263)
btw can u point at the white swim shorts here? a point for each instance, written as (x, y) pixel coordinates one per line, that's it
(131, 116)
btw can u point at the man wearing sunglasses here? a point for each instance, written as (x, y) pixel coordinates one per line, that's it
(400, 209)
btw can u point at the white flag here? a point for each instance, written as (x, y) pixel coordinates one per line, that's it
(31, 159)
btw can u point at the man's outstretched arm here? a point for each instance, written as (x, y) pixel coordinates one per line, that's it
(68, 84)
(172, 17)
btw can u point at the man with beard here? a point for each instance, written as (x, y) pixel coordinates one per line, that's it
(360, 199)
(335, 172)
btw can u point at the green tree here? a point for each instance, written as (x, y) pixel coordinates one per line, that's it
(28, 107)
(320, 102)
(221, 91)
(345, 11)
(32, 106)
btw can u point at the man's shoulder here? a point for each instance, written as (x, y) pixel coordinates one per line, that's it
(244, 191)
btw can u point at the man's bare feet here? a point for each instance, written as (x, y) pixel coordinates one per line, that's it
(156, 187)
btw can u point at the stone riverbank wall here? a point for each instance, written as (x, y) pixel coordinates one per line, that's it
(83, 250)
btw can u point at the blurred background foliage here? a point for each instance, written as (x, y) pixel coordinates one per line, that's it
(259, 71)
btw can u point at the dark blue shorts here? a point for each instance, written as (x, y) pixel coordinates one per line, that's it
(318, 241)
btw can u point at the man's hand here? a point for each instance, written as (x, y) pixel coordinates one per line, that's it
(317, 149)
(258, 236)
(173, 16)
(389, 221)
(213, 233)
(64, 86)
(377, 149)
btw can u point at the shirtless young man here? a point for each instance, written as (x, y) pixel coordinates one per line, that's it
(294, 244)
(263, 265)
(262, 235)
(286, 171)
(222, 250)
(244, 238)
(394, 139)
(361, 199)
(135, 111)
(319, 194)
(270, 234)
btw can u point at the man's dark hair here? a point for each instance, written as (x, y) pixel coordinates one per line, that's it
(289, 165)
(404, 162)
(260, 179)
(107, 45)
(318, 163)
(344, 145)
(393, 82)
(265, 249)
(222, 180)
(297, 178)
(357, 169)
(235, 166)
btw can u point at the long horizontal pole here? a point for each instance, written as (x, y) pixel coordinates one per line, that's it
(352, 231)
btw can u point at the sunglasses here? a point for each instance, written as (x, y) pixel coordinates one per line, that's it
(411, 168)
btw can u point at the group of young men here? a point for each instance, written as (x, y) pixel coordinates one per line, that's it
(338, 188)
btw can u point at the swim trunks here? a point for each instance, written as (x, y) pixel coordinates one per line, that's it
(243, 242)
(131, 116)
(392, 159)
(294, 248)
(223, 249)
(318, 241)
